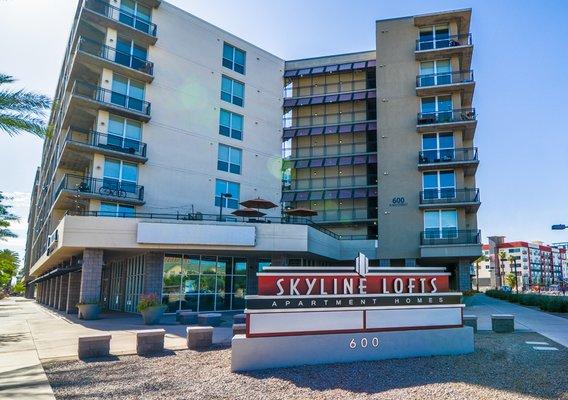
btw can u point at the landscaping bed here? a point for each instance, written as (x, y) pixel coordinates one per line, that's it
(554, 304)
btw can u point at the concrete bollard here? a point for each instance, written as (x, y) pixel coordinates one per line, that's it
(93, 346)
(470, 320)
(188, 318)
(209, 319)
(150, 341)
(503, 323)
(239, 318)
(199, 337)
(239, 329)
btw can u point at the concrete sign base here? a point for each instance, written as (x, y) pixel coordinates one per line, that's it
(287, 351)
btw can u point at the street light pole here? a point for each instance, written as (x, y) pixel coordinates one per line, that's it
(227, 196)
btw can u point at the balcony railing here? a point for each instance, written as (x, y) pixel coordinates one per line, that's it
(329, 119)
(97, 93)
(328, 88)
(106, 141)
(329, 150)
(346, 215)
(444, 78)
(107, 187)
(448, 236)
(329, 183)
(449, 196)
(447, 155)
(441, 117)
(104, 8)
(111, 54)
(443, 42)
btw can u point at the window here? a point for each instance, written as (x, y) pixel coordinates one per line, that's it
(127, 93)
(222, 187)
(435, 73)
(231, 125)
(441, 224)
(434, 37)
(229, 159)
(438, 147)
(439, 184)
(234, 58)
(130, 54)
(120, 175)
(124, 133)
(232, 91)
(438, 108)
(116, 210)
(136, 15)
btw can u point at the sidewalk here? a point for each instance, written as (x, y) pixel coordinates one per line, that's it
(553, 327)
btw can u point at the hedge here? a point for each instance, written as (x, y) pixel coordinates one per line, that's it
(544, 302)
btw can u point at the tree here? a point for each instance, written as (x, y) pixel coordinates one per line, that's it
(482, 258)
(21, 110)
(9, 262)
(511, 280)
(19, 288)
(5, 218)
(501, 264)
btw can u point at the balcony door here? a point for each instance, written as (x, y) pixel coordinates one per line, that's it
(438, 72)
(437, 109)
(440, 224)
(438, 147)
(127, 93)
(434, 37)
(136, 15)
(130, 54)
(439, 185)
(124, 134)
(120, 175)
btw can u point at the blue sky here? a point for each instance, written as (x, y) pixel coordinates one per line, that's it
(520, 65)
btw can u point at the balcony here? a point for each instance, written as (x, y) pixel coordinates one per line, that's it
(446, 47)
(80, 144)
(466, 158)
(450, 197)
(447, 82)
(360, 193)
(137, 28)
(72, 188)
(436, 121)
(345, 216)
(329, 120)
(336, 182)
(325, 150)
(90, 96)
(449, 236)
(294, 91)
(100, 55)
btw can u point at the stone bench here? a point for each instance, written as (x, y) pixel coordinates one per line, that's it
(239, 329)
(470, 320)
(179, 312)
(209, 319)
(93, 346)
(199, 337)
(239, 318)
(150, 341)
(503, 323)
(188, 318)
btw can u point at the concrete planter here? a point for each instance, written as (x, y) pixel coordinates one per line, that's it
(89, 311)
(152, 315)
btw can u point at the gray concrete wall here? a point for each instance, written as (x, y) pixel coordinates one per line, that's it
(73, 292)
(91, 275)
(153, 273)
(63, 291)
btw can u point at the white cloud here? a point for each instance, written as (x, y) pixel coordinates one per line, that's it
(20, 202)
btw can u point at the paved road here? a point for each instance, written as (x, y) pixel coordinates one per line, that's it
(553, 327)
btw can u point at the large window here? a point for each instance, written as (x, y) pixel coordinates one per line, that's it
(127, 93)
(223, 187)
(116, 210)
(120, 175)
(437, 72)
(231, 124)
(229, 159)
(438, 147)
(439, 108)
(441, 224)
(204, 283)
(434, 37)
(439, 184)
(124, 133)
(136, 15)
(232, 91)
(234, 58)
(130, 54)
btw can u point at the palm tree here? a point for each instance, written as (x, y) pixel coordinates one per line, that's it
(502, 259)
(481, 259)
(22, 111)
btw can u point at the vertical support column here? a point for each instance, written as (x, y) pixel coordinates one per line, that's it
(153, 273)
(63, 285)
(123, 269)
(252, 281)
(73, 291)
(57, 292)
(91, 275)
(463, 275)
(50, 299)
(43, 292)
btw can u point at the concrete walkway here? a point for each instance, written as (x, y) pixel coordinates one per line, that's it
(553, 327)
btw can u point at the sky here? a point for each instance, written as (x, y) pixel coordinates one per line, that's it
(520, 66)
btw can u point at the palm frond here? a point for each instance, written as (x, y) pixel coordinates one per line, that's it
(6, 79)
(14, 124)
(24, 101)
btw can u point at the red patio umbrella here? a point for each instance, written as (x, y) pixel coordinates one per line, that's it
(248, 212)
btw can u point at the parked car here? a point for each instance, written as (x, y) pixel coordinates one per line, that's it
(506, 289)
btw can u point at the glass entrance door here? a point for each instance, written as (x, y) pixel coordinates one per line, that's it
(134, 283)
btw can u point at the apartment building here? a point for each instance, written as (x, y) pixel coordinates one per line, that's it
(164, 124)
(535, 264)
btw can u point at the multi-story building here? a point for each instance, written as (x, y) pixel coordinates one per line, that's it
(535, 263)
(163, 124)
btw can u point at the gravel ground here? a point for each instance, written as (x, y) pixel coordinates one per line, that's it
(502, 367)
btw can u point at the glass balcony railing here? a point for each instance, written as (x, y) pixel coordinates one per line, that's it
(328, 119)
(346, 215)
(329, 183)
(97, 93)
(329, 150)
(449, 196)
(442, 117)
(136, 21)
(111, 54)
(107, 187)
(443, 41)
(328, 88)
(106, 141)
(447, 155)
(449, 236)
(444, 78)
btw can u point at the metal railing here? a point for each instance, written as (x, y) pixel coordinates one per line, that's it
(107, 187)
(111, 54)
(106, 141)
(443, 42)
(328, 150)
(449, 196)
(447, 155)
(447, 236)
(296, 121)
(337, 182)
(345, 215)
(329, 88)
(98, 93)
(440, 117)
(444, 78)
(197, 216)
(104, 8)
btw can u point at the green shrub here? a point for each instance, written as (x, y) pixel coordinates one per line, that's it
(554, 304)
